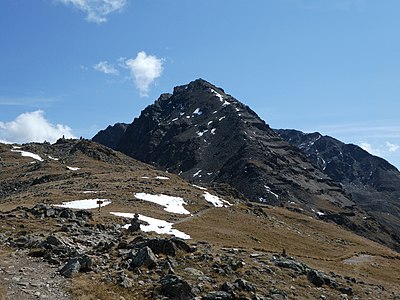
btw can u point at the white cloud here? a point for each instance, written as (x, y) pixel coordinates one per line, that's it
(32, 127)
(97, 10)
(392, 147)
(106, 68)
(380, 150)
(369, 148)
(145, 69)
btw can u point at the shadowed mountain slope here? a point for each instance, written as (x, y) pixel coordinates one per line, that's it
(373, 183)
(111, 135)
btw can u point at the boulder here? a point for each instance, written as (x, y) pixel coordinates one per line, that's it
(71, 268)
(176, 288)
(146, 258)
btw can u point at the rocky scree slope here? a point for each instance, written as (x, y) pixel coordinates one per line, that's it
(373, 183)
(208, 137)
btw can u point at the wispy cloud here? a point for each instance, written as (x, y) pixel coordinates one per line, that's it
(370, 149)
(145, 69)
(26, 101)
(97, 10)
(378, 129)
(392, 147)
(32, 127)
(106, 68)
(380, 150)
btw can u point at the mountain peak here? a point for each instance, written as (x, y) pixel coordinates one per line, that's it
(197, 85)
(212, 139)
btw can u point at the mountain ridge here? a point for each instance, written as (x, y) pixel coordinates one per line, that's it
(372, 181)
(209, 137)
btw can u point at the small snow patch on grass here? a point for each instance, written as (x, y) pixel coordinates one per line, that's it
(155, 225)
(216, 201)
(170, 203)
(26, 153)
(73, 168)
(199, 187)
(84, 204)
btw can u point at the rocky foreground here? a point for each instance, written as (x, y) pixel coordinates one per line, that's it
(106, 261)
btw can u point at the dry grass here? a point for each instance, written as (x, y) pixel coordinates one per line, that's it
(84, 288)
(2, 293)
(322, 245)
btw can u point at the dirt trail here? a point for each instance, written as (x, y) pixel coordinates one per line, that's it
(25, 278)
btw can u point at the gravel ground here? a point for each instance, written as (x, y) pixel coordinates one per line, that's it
(25, 278)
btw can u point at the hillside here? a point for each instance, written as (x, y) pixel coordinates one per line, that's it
(210, 138)
(230, 249)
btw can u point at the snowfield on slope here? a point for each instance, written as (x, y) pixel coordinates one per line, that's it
(170, 203)
(26, 153)
(155, 225)
(216, 201)
(84, 204)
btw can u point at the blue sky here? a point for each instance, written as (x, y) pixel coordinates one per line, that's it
(76, 66)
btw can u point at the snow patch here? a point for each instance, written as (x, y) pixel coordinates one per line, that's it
(26, 154)
(161, 178)
(84, 204)
(197, 112)
(173, 120)
(220, 97)
(271, 192)
(170, 203)
(73, 168)
(92, 192)
(52, 158)
(220, 119)
(199, 187)
(200, 133)
(155, 225)
(216, 201)
(197, 173)
(213, 130)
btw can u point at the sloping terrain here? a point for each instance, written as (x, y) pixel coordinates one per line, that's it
(209, 137)
(236, 250)
(373, 183)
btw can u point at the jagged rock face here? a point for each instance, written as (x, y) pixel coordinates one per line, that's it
(207, 136)
(111, 135)
(373, 183)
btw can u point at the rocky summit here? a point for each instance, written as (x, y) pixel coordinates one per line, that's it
(372, 182)
(210, 138)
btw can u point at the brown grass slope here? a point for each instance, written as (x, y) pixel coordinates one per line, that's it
(248, 232)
